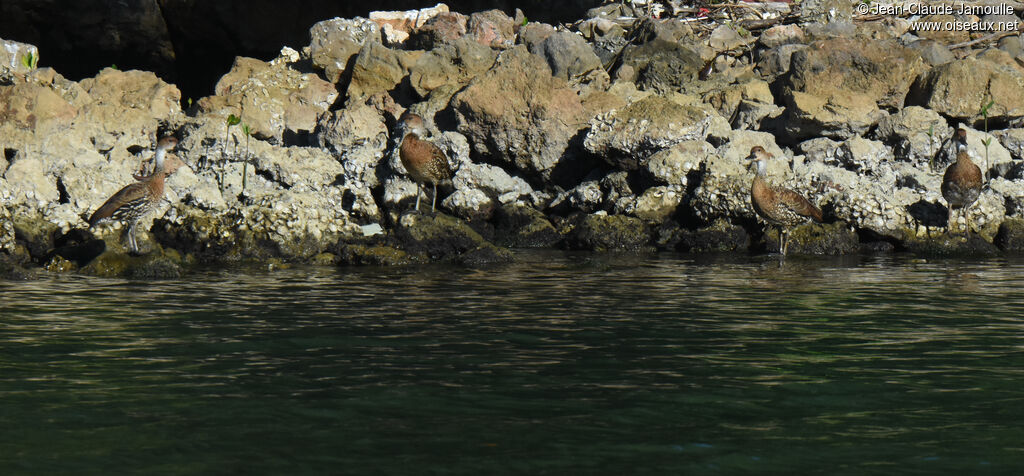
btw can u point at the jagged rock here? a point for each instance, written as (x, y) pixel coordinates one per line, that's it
(840, 115)
(529, 124)
(656, 204)
(1012, 140)
(779, 35)
(358, 138)
(586, 197)
(842, 78)
(334, 42)
(777, 61)
(378, 68)
(625, 137)
(442, 28)
(492, 28)
(568, 54)
(826, 11)
(397, 25)
(862, 155)
(609, 233)
(519, 226)
(1010, 236)
(444, 238)
(720, 236)
(12, 271)
(727, 101)
(672, 166)
(915, 133)
(274, 100)
(451, 64)
(27, 182)
(960, 88)
(17, 57)
(125, 100)
(470, 204)
(822, 149)
(726, 38)
(933, 52)
(817, 239)
(662, 66)
(493, 181)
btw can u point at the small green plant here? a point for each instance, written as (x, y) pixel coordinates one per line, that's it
(988, 140)
(189, 102)
(525, 20)
(232, 120)
(30, 60)
(113, 67)
(245, 162)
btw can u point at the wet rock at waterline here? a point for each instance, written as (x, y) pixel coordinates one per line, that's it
(605, 134)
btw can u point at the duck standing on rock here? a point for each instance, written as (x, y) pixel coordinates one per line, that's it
(778, 205)
(424, 161)
(134, 201)
(961, 184)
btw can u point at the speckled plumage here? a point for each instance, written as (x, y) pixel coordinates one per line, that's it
(777, 205)
(961, 186)
(135, 200)
(424, 161)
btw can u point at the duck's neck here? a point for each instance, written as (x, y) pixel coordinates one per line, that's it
(158, 159)
(762, 168)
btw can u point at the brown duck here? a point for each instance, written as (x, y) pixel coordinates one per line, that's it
(424, 161)
(961, 184)
(778, 205)
(134, 201)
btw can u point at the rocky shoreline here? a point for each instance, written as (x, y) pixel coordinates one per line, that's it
(620, 131)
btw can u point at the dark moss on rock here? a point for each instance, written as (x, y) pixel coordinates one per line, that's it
(444, 238)
(817, 239)
(377, 255)
(945, 244)
(518, 226)
(1010, 236)
(720, 236)
(158, 264)
(610, 233)
(11, 270)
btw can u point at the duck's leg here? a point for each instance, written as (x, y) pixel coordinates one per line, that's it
(133, 247)
(783, 240)
(433, 201)
(949, 221)
(967, 221)
(417, 196)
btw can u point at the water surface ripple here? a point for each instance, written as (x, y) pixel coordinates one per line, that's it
(558, 364)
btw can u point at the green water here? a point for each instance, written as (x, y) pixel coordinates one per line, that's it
(558, 364)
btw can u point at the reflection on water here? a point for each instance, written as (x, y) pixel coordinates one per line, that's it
(558, 364)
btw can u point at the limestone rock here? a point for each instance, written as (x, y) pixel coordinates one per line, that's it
(14, 56)
(662, 66)
(915, 133)
(451, 64)
(883, 71)
(529, 124)
(720, 236)
(273, 99)
(672, 166)
(779, 35)
(568, 54)
(960, 88)
(1010, 236)
(656, 204)
(334, 42)
(442, 28)
(378, 68)
(627, 136)
(777, 61)
(492, 28)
